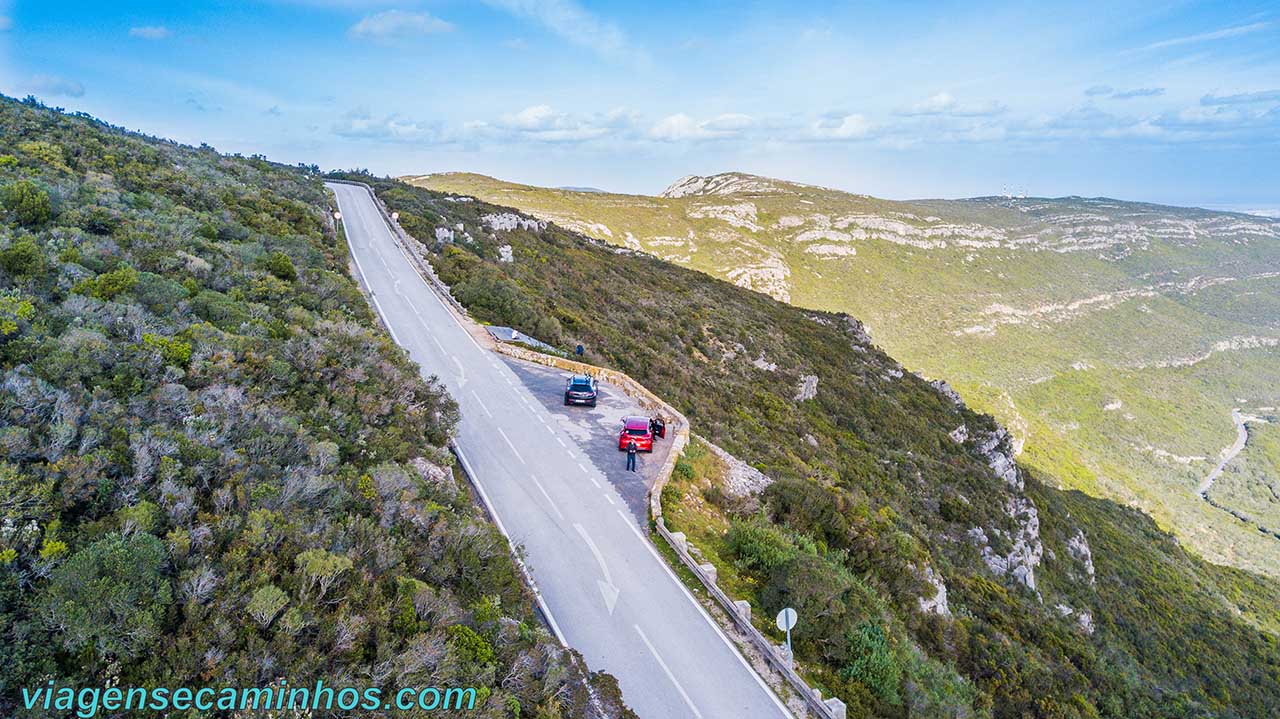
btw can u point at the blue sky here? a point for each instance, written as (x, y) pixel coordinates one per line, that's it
(1175, 102)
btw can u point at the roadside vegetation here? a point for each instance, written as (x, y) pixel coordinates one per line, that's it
(215, 468)
(1114, 337)
(873, 486)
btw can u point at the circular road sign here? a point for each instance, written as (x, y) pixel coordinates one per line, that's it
(787, 619)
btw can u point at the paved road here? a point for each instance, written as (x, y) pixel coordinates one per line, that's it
(595, 432)
(607, 592)
(1228, 454)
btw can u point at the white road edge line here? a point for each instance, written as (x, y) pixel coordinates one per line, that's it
(484, 497)
(706, 617)
(667, 670)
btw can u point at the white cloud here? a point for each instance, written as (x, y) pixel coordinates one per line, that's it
(150, 32)
(944, 104)
(55, 86)
(1207, 36)
(1244, 98)
(681, 127)
(360, 124)
(1138, 92)
(1097, 90)
(397, 25)
(842, 127)
(542, 123)
(574, 23)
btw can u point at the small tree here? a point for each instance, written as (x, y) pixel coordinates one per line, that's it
(322, 568)
(22, 258)
(266, 603)
(279, 264)
(28, 204)
(110, 596)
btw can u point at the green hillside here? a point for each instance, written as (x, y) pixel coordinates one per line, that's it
(215, 469)
(1112, 338)
(935, 577)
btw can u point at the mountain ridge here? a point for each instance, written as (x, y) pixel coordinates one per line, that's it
(1044, 311)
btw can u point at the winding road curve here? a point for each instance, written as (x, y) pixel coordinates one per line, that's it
(604, 589)
(1242, 436)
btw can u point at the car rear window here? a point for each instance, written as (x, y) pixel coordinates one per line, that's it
(581, 386)
(637, 432)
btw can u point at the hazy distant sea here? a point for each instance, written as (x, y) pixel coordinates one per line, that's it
(1262, 210)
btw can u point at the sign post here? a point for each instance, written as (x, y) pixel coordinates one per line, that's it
(786, 620)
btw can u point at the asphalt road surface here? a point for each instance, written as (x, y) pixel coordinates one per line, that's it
(606, 591)
(594, 430)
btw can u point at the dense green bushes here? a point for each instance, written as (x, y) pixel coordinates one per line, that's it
(26, 203)
(214, 469)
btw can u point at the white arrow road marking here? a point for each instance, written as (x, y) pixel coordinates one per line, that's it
(666, 669)
(606, 585)
(462, 373)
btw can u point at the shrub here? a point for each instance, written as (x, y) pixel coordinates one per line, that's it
(266, 603)
(22, 258)
(471, 648)
(109, 285)
(759, 547)
(110, 596)
(279, 264)
(174, 351)
(14, 310)
(27, 203)
(874, 665)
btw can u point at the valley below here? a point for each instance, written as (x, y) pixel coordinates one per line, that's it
(1110, 337)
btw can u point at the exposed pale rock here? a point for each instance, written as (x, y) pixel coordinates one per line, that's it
(944, 388)
(808, 388)
(936, 604)
(1078, 548)
(741, 214)
(742, 480)
(509, 221)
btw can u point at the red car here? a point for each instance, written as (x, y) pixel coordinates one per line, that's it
(635, 429)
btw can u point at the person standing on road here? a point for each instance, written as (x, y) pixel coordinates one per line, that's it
(631, 455)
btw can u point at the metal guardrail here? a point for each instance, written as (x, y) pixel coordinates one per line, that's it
(830, 708)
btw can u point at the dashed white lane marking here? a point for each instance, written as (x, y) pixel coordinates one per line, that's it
(561, 441)
(705, 617)
(514, 451)
(609, 499)
(582, 467)
(683, 695)
(484, 496)
(433, 339)
(481, 403)
(547, 496)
